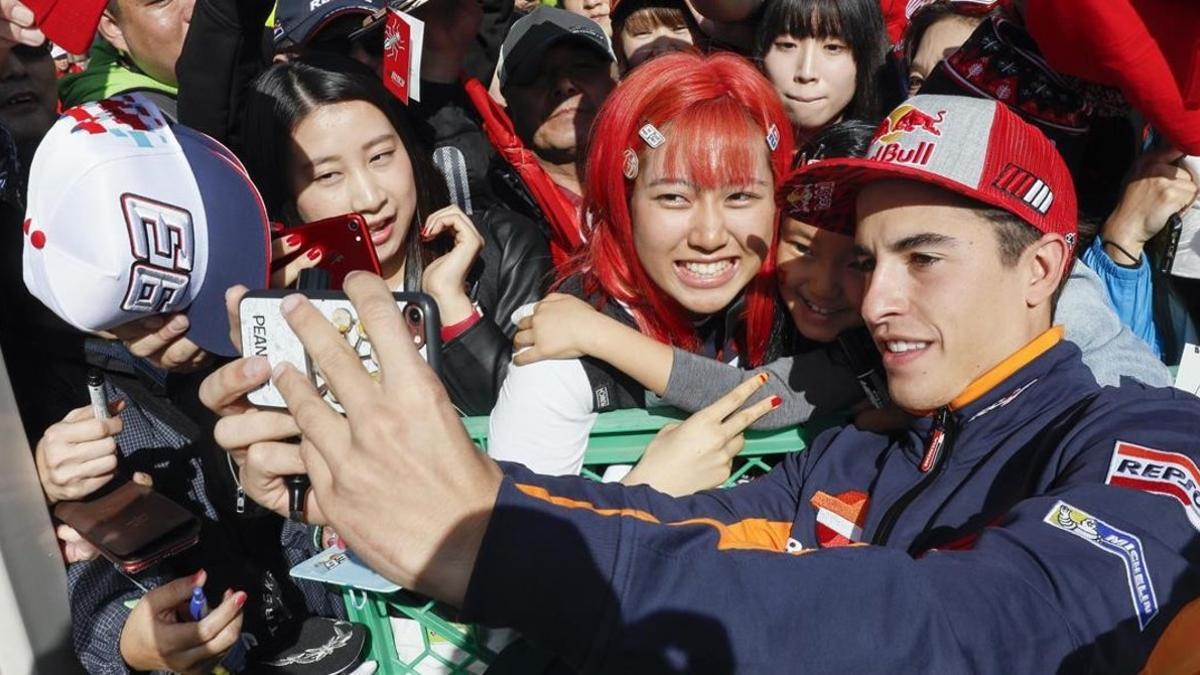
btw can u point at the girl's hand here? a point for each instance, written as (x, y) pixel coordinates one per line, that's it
(559, 327)
(283, 245)
(698, 453)
(445, 278)
(154, 638)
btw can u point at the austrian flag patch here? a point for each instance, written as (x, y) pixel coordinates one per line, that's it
(1169, 474)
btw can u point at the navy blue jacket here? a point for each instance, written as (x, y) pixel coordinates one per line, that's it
(1037, 524)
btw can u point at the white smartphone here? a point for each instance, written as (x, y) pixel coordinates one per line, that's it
(265, 333)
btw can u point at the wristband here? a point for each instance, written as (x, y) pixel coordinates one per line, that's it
(1137, 259)
(454, 330)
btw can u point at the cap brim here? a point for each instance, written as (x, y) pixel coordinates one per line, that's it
(305, 30)
(239, 242)
(850, 176)
(71, 24)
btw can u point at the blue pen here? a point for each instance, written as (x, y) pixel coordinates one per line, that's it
(198, 607)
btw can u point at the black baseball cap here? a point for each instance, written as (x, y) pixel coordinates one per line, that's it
(524, 48)
(296, 21)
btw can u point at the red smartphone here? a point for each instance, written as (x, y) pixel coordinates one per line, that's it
(345, 244)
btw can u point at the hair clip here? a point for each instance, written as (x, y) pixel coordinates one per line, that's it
(630, 166)
(773, 138)
(652, 135)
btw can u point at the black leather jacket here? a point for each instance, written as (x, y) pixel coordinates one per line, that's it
(513, 269)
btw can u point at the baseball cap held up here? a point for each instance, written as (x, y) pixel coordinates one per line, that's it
(129, 216)
(977, 148)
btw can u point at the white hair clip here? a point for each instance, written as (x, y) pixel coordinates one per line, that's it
(652, 135)
(773, 138)
(630, 166)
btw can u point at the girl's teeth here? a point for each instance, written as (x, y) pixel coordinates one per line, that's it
(899, 347)
(707, 269)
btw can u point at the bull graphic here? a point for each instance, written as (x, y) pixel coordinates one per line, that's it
(907, 119)
(916, 119)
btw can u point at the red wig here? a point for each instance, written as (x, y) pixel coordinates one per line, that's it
(716, 112)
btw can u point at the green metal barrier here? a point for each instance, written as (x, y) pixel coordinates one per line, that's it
(432, 643)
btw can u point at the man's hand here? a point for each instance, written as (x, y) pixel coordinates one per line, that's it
(160, 340)
(154, 638)
(17, 25)
(77, 456)
(1156, 189)
(698, 453)
(398, 476)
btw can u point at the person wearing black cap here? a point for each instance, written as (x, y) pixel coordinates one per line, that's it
(333, 25)
(555, 71)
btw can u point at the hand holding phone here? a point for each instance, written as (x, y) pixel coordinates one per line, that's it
(266, 333)
(338, 245)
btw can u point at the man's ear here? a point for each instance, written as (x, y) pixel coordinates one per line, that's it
(1046, 263)
(110, 30)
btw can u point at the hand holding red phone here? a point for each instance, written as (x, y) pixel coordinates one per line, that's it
(286, 244)
(445, 278)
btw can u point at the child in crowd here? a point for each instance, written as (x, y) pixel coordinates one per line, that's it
(644, 29)
(681, 177)
(325, 139)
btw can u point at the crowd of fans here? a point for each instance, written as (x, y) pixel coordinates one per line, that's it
(620, 204)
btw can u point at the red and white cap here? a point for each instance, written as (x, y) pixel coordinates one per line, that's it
(129, 216)
(977, 148)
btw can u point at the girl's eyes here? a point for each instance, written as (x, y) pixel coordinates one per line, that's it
(835, 47)
(671, 199)
(784, 45)
(327, 177)
(743, 197)
(382, 156)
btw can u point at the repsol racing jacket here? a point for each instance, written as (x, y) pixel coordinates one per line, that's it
(1037, 524)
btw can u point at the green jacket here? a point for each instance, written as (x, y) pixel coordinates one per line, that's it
(106, 76)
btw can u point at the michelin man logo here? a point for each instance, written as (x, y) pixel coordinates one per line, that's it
(1115, 542)
(162, 241)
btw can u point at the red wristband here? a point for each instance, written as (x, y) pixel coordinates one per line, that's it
(454, 330)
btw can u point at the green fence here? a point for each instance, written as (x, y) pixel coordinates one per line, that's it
(412, 635)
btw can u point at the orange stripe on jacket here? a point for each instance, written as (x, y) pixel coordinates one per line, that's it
(756, 534)
(1002, 371)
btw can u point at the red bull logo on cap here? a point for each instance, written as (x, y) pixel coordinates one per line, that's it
(904, 120)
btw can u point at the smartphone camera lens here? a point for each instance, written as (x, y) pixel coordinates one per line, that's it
(413, 314)
(353, 225)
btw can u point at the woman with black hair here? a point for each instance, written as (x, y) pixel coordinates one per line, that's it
(324, 138)
(826, 60)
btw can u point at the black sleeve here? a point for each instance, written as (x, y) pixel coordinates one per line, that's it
(222, 54)
(516, 269)
(498, 16)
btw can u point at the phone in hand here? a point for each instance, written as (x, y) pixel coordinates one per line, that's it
(133, 526)
(345, 243)
(266, 333)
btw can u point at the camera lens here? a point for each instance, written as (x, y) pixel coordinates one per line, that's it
(353, 225)
(413, 314)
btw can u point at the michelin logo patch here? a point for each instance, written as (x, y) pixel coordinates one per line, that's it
(1123, 545)
(1169, 474)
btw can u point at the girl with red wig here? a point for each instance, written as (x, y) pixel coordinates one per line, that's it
(684, 159)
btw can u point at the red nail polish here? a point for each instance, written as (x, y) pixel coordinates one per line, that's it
(239, 599)
(314, 253)
(776, 401)
(276, 227)
(762, 377)
(293, 240)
